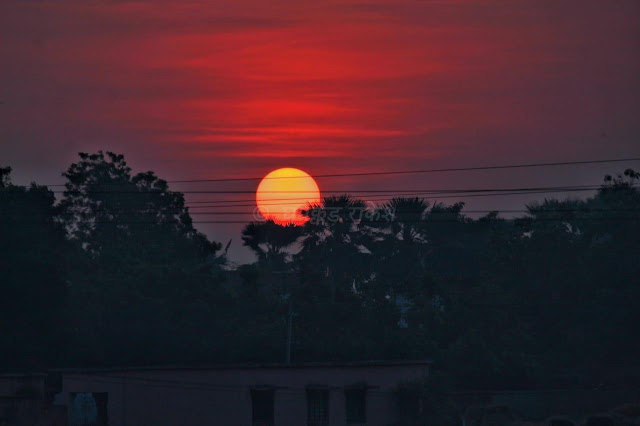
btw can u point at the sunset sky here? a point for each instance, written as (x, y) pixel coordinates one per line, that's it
(241, 87)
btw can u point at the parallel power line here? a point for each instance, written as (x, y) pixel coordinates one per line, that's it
(406, 172)
(431, 194)
(369, 195)
(452, 220)
(347, 191)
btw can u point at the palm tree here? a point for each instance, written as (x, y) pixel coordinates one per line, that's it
(333, 247)
(399, 245)
(402, 218)
(270, 241)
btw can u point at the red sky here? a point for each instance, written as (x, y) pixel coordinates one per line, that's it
(240, 87)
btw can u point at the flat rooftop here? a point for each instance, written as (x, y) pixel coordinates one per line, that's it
(247, 366)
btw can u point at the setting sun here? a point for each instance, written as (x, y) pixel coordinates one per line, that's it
(283, 192)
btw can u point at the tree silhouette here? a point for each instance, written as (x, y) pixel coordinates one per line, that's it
(116, 273)
(145, 264)
(33, 256)
(269, 241)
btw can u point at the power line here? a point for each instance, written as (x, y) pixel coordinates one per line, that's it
(458, 219)
(437, 196)
(347, 191)
(358, 196)
(394, 211)
(354, 194)
(434, 194)
(405, 172)
(134, 214)
(462, 212)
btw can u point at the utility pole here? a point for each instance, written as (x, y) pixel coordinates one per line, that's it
(287, 356)
(289, 330)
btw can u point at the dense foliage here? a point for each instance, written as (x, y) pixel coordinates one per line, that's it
(115, 273)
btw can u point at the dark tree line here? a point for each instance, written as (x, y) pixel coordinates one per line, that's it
(115, 273)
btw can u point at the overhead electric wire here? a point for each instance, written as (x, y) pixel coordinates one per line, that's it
(458, 220)
(463, 211)
(363, 194)
(357, 196)
(436, 196)
(427, 216)
(347, 191)
(303, 199)
(402, 172)
(395, 211)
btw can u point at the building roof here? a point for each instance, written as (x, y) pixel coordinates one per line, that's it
(245, 366)
(22, 375)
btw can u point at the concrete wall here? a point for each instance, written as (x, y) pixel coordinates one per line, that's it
(20, 384)
(541, 404)
(22, 399)
(221, 396)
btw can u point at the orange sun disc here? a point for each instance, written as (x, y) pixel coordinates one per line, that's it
(283, 192)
